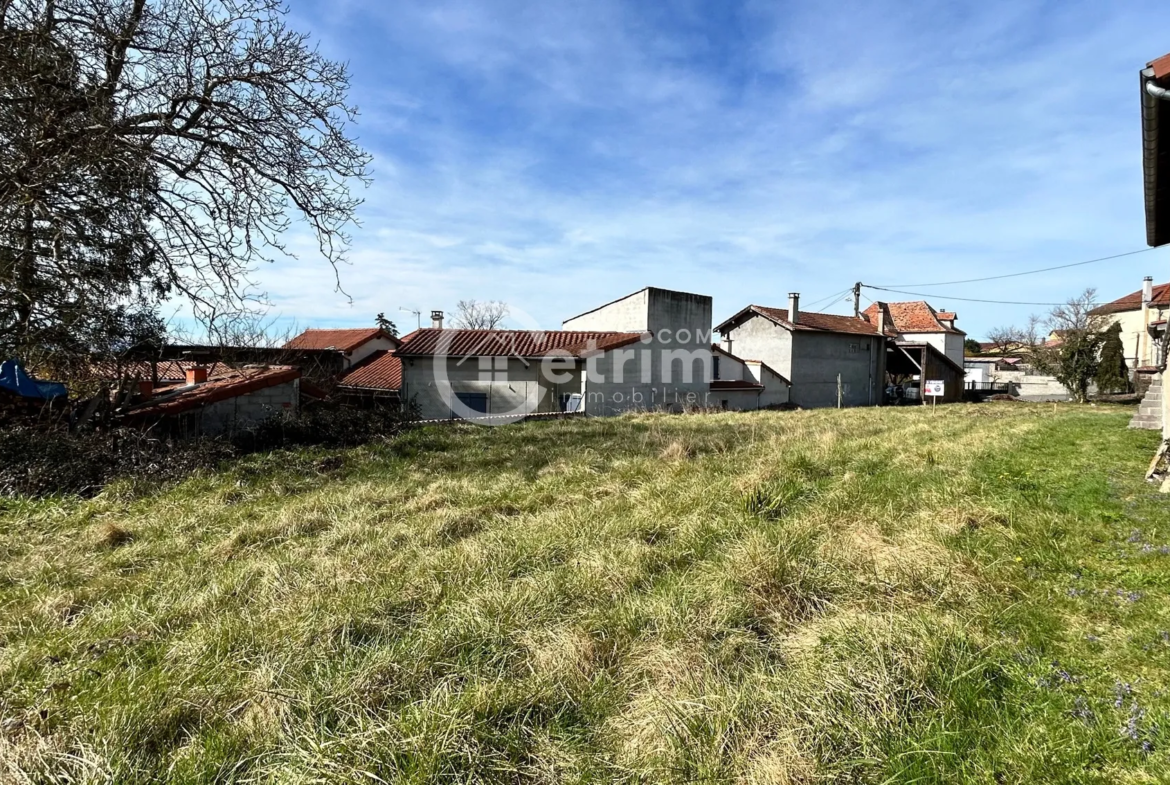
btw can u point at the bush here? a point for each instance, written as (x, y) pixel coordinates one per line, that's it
(46, 461)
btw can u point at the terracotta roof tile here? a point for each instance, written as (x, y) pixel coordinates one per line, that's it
(169, 371)
(823, 322)
(380, 371)
(510, 343)
(230, 384)
(1161, 66)
(345, 340)
(915, 316)
(1133, 301)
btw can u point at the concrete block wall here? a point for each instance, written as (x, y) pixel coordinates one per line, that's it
(819, 357)
(247, 410)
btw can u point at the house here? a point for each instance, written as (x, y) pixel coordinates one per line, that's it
(826, 358)
(376, 379)
(647, 350)
(745, 385)
(917, 322)
(232, 400)
(354, 345)
(449, 373)
(1155, 102)
(1142, 315)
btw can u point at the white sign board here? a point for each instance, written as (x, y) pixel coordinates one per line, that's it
(934, 388)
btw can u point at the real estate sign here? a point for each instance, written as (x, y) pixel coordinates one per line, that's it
(934, 388)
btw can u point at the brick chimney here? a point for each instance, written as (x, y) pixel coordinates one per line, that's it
(1147, 289)
(196, 374)
(437, 320)
(794, 307)
(881, 324)
(145, 389)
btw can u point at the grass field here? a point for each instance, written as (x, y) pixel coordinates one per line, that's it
(973, 595)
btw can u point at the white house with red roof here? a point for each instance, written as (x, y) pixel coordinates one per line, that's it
(1142, 315)
(917, 322)
(824, 357)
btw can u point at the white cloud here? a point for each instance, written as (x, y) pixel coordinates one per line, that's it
(558, 155)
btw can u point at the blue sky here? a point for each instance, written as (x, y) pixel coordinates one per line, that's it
(558, 155)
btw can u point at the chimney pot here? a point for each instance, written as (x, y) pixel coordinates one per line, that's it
(437, 320)
(794, 307)
(196, 375)
(1147, 289)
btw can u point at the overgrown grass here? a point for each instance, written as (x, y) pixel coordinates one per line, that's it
(972, 595)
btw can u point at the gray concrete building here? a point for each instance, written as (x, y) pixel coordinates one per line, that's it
(825, 357)
(650, 350)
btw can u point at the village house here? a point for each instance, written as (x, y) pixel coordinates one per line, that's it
(375, 379)
(230, 401)
(827, 359)
(917, 322)
(925, 346)
(1142, 316)
(354, 344)
(745, 385)
(648, 350)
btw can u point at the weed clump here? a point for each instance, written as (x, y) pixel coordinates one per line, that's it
(776, 498)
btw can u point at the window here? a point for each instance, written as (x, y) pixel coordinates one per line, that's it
(724, 404)
(715, 367)
(572, 403)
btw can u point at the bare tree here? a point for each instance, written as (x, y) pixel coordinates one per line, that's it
(1073, 354)
(1005, 339)
(155, 149)
(473, 315)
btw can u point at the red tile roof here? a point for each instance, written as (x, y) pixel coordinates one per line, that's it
(823, 322)
(511, 343)
(380, 371)
(169, 371)
(1133, 301)
(915, 316)
(1161, 66)
(341, 340)
(230, 384)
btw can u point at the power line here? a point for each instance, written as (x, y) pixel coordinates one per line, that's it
(1026, 272)
(836, 298)
(963, 299)
(825, 299)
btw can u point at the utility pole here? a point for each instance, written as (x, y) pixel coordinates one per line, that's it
(857, 300)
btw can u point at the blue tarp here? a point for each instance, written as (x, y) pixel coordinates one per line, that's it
(15, 379)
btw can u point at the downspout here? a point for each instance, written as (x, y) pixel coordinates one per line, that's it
(1157, 92)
